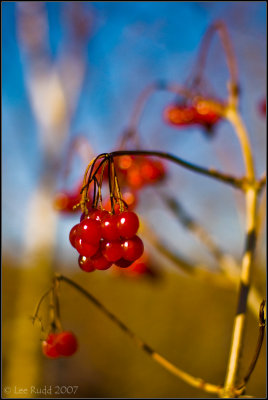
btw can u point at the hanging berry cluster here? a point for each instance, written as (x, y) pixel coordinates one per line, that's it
(193, 113)
(137, 171)
(63, 344)
(103, 238)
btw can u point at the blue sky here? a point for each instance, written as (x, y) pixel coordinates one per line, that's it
(132, 45)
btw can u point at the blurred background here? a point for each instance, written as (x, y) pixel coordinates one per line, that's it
(72, 74)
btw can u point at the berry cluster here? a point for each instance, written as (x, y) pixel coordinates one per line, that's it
(59, 344)
(199, 113)
(103, 239)
(137, 172)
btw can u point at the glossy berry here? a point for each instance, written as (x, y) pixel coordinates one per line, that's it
(85, 248)
(132, 248)
(112, 250)
(127, 224)
(95, 214)
(89, 230)
(72, 235)
(49, 347)
(66, 343)
(86, 264)
(100, 262)
(109, 228)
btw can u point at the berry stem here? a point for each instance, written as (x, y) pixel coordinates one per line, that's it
(252, 365)
(35, 316)
(236, 182)
(191, 380)
(251, 197)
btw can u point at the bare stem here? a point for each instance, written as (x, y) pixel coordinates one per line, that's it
(189, 379)
(247, 260)
(235, 182)
(258, 346)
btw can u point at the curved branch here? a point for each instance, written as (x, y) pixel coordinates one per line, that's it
(187, 378)
(235, 182)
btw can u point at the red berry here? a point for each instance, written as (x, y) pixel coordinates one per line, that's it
(179, 115)
(98, 215)
(86, 264)
(89, 230)
(109, 228)
(122, 263)
(65, 201)
(152, 171)
(95, 213)
(85, 248)
(66, 343)
(128, 224)
(72, 235)
(133, 248)
(134, 178)
(112, 250)
(49, 347)
(100, 262)
(124, 163)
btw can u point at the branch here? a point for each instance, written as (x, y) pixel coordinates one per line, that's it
(235, 182)
(240, 388)
(247, 260)
(227, 264)
(191, 380)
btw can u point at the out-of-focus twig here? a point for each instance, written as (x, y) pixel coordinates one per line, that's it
(174, 370)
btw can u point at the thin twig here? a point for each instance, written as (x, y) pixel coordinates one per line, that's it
(235, 182)
(258, 346)
(35, 316)
(227, 264)
(191, 380)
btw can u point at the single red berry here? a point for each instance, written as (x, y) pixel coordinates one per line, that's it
(66, 343)
(179, 115)
(72, 235)
(128, 224)
(124, 163)
(95, 213)
(152, 170)
(205, 115)
(89, 230)
(86, 264)
(85, 248)
(109, 228)
(100, 262)
(122, 263)
(112, 250)
(98, 215)
(134, 178)
(49, 347)
(133, 248)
